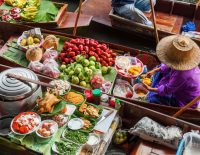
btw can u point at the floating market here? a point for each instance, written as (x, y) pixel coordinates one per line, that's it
(85, 77)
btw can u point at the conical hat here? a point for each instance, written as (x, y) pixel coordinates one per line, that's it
(178, 52)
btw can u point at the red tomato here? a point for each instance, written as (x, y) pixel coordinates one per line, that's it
(87, 41)
(86, 48)
(80, 47)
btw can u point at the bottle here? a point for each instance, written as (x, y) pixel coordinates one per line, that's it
(89, 95)
(118, 104)
(96, 96)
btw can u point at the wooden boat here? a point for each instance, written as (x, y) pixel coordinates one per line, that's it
(130, 114)
(191, 115)
(62, 20)
(170, 16)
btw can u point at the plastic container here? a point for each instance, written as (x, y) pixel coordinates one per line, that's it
(96, 96)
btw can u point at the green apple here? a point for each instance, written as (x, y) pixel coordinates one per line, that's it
(88, 85)
(85, 69)
(86, 63)
(62, 75)
(63, 67)
(92, 63)
(92, 68)
(89, 72)
(98, 65)
(75, 80)
(104, 70)
(79, 58)
(78, 65)
(92, 58)
(109, 69)
(83, 84)
(81, 76)
(77, 70)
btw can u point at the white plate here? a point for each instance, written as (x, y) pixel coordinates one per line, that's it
(70, 109)
(75, 124)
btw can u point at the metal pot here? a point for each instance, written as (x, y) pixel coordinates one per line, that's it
(15, 95)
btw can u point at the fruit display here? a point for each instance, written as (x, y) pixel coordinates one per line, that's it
(75, 98)
(22, 9)
(88, 48)
(120, 137)
(25, 122)
(128, 66)
(31, 40)
(47, 128)
(34, 54)
(82, 71)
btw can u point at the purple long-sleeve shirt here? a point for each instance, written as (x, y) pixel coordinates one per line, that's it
(184, 85)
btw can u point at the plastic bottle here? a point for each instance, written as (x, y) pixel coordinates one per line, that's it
(96, 96)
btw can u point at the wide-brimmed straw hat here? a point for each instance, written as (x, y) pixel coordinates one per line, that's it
(178, 52)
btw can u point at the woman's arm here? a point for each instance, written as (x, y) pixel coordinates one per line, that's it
(152, 72)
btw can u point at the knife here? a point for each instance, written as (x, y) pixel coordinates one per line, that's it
(104, 117)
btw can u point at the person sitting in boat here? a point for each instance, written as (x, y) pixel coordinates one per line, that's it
(133, 9)
(176, 81)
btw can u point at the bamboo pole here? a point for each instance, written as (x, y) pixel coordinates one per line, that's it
(154, 21)
(77, 17)
(183, 109)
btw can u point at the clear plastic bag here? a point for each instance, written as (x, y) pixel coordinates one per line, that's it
(51, 70)
(150, 130)
(36, 66)
(50, 54)
(50, 62)
(192, 143)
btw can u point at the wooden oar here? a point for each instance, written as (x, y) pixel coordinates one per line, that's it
(22, 78)
(77, 17)
(183, 109)
(154, 21)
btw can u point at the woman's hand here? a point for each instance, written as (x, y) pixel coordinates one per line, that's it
(152, 72)
(149, 88)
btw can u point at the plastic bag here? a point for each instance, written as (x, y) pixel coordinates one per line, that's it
(192, 143)
(36, 66)
(51, 62)
(51, 70)
(50, 54)
(106, 85)
(150, 130)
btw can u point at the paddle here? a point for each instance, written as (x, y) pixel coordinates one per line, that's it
(77, 17)
(154, 21)
(183, 109)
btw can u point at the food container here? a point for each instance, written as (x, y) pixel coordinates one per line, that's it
(54, 128)
(17, 96)
(86, 150)
(93, 139)
(5, 122)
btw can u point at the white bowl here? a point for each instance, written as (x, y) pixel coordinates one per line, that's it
(93, 139)
(75, 124)
(33, 130)
(48, 121)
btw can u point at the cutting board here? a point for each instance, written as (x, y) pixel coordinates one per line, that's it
(105, 124)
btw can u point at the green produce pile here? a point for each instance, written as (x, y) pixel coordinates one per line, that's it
(66, 148)
(76, 136)
(120, 136)
(82, 71)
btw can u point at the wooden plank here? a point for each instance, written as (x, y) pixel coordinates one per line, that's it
(69, 20)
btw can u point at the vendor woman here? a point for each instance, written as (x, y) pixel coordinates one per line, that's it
(176, 81)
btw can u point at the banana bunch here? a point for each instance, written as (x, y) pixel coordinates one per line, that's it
(19, 3)
(29, 13)
(16, 3)
(33, 3)
(9, 2)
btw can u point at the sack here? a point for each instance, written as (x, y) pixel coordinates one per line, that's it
(150, 130)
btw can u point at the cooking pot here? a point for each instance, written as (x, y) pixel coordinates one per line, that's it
(15, 95)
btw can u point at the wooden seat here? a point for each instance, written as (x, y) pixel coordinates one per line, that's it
(166, 22)
(148, 148)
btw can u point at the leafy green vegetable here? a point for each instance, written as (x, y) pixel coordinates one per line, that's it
(66, 147)
(47, 12)
(76, 136)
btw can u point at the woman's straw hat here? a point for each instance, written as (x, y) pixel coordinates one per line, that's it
(178, 52)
